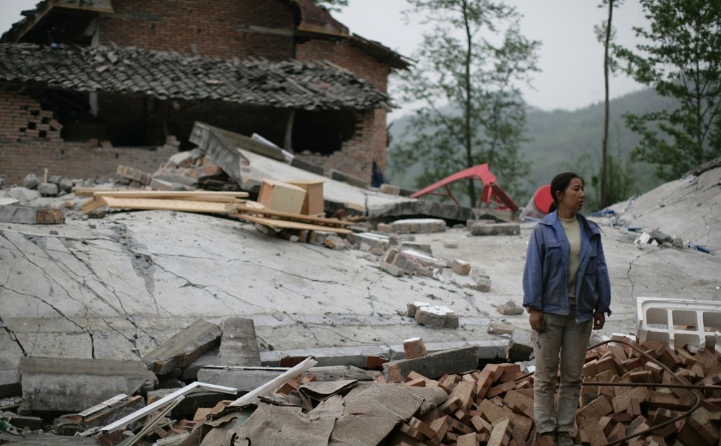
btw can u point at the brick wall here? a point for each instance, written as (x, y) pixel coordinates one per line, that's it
(23, 119)
(215, 27)
(75, 160)
(356, 156)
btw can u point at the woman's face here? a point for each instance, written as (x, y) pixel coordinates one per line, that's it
(572, 198)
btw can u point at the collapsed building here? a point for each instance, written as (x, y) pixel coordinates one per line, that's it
(87, 85)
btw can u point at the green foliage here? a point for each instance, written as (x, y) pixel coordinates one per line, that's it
(681, 60)
(473, 58)
(554, 139)
(331, 5)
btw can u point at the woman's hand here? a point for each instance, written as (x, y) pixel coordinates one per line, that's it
(536, 320)
(599, 319)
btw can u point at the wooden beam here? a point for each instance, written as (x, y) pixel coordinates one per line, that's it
(285, 224)
(242, 209)
(151, 204)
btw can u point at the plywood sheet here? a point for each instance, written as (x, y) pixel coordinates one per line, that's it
(285, 224)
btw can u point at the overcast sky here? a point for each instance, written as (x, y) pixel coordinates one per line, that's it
(570, 58)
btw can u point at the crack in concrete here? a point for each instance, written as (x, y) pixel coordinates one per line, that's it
(305, 326)
(371, 297)
(628, 275)
(13, 337)
(286, 273)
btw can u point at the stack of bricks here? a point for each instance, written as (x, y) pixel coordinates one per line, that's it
(22, 119)
(493, 406)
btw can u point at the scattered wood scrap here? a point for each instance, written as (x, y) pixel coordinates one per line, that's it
(254, 211)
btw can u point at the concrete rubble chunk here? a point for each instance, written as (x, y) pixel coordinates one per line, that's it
(238, 344)
(460, 267)
(418, 226)
(55, 179)
(414, 348)
(48, 189)
(510, 308)
(30, 215)
(481, 279)
(66, 185)
(436, 316)
(184, 348)
(71, 384)
(335, 242)
(433, 365)
(182, 159)
(373, 240)
(392, 269)
(521, 346)
(104, 413)
(9, 383)
(23, 194)
(246, 379)
(418, 247)
(413, 307)
(496, 229)
(31, 181)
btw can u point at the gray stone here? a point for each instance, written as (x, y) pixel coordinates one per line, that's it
(48, 189)
(72, 385)
(239, 344)
(184, 348)
(496, 229)
(23, 194)
(66, 185)
(55, 179)
(510, 309)
(31, 181)
(433, 365)
(30, 215)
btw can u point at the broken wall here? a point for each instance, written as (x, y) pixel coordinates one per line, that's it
(75, 160)
(213, 28)
(23, 119)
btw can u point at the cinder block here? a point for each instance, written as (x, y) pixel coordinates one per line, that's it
(660, 320)
(481, 229)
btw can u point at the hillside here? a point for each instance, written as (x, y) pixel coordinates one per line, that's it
(566, 140)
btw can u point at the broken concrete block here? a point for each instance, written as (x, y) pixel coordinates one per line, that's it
(392, 269)
(433, 365)
(130, 173)
(48, 189)
(414, 348)
(418, 247)
(460, 267)
(239, 344)
(9, 383)
(190, 373)
(435, 316)
(414, 306)
(30, 215)
(184, 348)
(71, 385)
(318, 237)
(481, 279)
(496, 229)
(55, 179)
(418, 225)
(520, 347)
(500, 328)
(510, 308)
(181, 159)
(23, 194)
(390, 189)
(384, 228)
(335, 242)
(373, 240)
(66, 185)
(31, 181)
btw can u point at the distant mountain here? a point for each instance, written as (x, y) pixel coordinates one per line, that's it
(562, 140)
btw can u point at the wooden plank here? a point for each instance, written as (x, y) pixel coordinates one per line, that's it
(176, 195)
(92, 204)
(291, 216)
(284, 224)
(165, 205)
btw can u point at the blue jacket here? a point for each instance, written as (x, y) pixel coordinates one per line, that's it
(545, 277)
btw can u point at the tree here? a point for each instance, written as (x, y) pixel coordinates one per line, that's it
(680, 58)
(331, 5)
(471, 61)
(605, 33)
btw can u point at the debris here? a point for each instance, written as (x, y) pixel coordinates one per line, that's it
(31, 215)
(433, 365)
(313, 203)
(238, 344)
(500, 328)
(510, 308)
(70, 385)
(390, 189)
(481, 279)
(31, 181)
(373, 240)
(23, 194)
(101, 414)
(436, 316)
(496, 229)
(48, 189)
(280, 196)
(66, 185)
(418, 247)
(335, 242)
(183, 348)
(414, 348)
(150, 408)
(267, 389)
(521, 346)
(130, 175)
(246, 379)
(418, 226)
(349, 179)
(460, 267)
(392, 269)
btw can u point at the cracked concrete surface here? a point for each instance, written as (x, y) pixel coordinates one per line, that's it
(115, 288)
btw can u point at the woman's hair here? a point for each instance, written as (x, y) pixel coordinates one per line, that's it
(560, 184)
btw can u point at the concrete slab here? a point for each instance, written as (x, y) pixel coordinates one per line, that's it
(184, 348)
(239, 343)
(72, 385)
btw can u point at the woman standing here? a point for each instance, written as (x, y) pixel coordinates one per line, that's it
(567, 291)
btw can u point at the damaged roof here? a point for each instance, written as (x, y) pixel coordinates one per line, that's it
(171, 75)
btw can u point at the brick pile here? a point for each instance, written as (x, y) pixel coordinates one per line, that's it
(24, 119)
